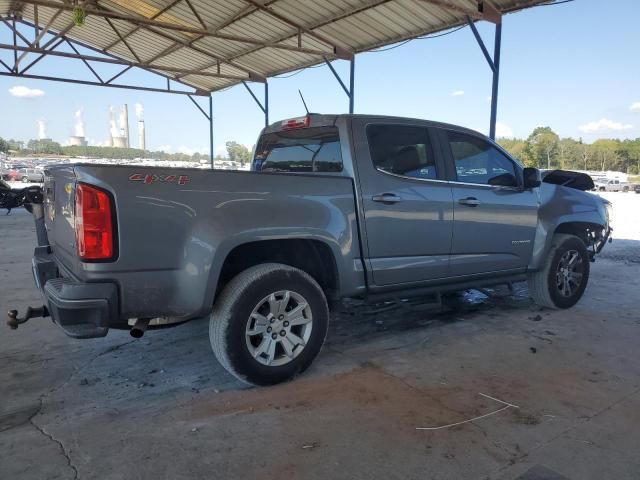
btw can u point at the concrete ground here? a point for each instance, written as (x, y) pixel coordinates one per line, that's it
(162, 407)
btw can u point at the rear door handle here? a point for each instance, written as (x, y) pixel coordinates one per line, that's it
(469, 201)
(386, 198)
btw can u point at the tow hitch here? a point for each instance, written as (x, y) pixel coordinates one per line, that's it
(14, 321)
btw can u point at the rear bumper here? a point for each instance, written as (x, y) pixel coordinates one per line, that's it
(82, 310)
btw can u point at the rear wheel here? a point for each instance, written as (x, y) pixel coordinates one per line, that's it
(562, 280)
(269, 324)
(25, 180)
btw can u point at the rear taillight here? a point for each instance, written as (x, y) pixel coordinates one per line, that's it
(94, 223)
(300, 122)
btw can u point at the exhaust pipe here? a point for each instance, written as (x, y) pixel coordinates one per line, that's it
(138, 328)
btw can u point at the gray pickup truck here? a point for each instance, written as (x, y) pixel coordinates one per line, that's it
(335, 206)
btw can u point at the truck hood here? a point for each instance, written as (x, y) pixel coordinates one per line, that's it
(566, 178)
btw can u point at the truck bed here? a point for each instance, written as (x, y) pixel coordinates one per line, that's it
(175, 227)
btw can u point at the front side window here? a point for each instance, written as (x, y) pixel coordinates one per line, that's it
(402, 150)
(301, 150)
(477, 161)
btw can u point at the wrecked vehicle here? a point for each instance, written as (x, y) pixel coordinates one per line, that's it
(335, 206)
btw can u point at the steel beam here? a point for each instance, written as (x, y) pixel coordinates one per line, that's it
(496, 79)
(485, 52)
(84, 61)
(348, 91)
(211, 152)
(352, 71)
(63, 32)
(494, 65)
(45, 29)
(106, 84)
(266, 104)
(115, 61)
(40, 57)
(264, 107)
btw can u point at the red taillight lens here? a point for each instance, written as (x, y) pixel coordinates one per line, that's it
(94, 225)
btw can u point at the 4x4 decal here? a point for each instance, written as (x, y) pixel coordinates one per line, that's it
(152, 178)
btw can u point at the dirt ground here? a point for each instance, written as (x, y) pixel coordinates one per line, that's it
(161, 407)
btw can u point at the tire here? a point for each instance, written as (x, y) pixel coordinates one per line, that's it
(245, 306)
(547, 286)
(25, 180)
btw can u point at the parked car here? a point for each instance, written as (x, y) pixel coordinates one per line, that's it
(636, 188)
(336, 206)
(31, 175)
(12, 175)
(611, 186)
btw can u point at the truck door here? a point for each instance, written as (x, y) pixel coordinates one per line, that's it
(494, 218)
(408, 209)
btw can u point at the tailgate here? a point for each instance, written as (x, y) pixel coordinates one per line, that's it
(59, 194)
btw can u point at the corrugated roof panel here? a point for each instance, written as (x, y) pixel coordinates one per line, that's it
(356, 24)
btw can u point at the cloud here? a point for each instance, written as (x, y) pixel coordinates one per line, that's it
(604, 125)
(190, 151)
(21, 91)
(457, 93)
(503, 130)
(635, 107)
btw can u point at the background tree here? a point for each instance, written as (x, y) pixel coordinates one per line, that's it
(4, 145)
(543, 144)
(518, 149)
(606, 151)
(585, 153)
(238, 152)
(568, 152)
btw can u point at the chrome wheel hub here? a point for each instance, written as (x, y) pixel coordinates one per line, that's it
(569, 273)
(279, 328)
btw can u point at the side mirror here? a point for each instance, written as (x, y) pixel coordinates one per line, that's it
(531, 178)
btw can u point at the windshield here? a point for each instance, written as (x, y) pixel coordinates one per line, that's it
(304, 150)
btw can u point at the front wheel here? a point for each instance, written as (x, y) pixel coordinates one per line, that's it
(563, 278)
(25, 180)
(269, 324)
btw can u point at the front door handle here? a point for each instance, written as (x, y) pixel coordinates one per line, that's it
(469, 201)
(386, 198)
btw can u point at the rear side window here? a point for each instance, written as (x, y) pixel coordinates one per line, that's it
(301, 150)
(480, 162)
(402, 150)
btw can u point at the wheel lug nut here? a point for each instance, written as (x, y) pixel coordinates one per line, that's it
(272, 320)
(286, 324)
(280, 317)
(274, 336)
(283, 333)
(269, 329)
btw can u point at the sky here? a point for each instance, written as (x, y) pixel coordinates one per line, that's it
(573, 67)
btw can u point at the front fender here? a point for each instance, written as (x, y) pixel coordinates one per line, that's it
(561, 205)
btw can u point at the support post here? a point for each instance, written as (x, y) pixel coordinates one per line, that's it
(264, 107)
(348, 91)
(266, 103)
(352, 68)
(496, 79)
(211, 153)
(15, 44)
(494, 65)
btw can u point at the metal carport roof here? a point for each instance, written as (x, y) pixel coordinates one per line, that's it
(209, 45)
(213, 44)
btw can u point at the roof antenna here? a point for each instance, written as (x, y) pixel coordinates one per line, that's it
(303, 102)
